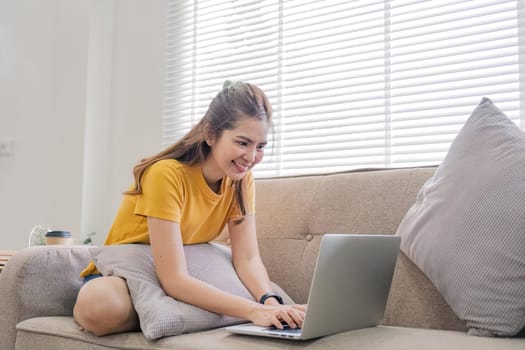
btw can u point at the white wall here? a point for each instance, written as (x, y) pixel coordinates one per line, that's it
(81, 95)
(124, 112)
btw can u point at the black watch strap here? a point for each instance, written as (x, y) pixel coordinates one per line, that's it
(271, 295)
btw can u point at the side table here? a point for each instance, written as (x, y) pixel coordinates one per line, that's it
(4, 257)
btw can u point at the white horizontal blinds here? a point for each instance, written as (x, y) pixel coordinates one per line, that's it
(213, 41)
(444, 56)
(333, 102)
(353, 83)
(238, 40)
(179, 100)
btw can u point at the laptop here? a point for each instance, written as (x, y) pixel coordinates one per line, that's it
(349, 289)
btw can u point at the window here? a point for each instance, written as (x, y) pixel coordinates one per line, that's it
(353, 83)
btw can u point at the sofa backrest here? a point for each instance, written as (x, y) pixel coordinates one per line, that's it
(294, 212)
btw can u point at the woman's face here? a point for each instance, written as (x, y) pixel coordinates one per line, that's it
(236, 151)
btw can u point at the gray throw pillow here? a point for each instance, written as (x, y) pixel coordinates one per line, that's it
(466, 230)
(159, 314)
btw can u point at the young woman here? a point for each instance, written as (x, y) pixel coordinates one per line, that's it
(186, 194)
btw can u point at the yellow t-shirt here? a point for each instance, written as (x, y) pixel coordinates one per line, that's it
(176, 192)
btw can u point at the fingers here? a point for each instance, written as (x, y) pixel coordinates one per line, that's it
(300, 307)
(298, 316)
(288, 319)
(277, 323)
(293, 316)
(277, 316)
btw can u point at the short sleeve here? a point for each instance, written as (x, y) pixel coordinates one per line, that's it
(248, 191)
(249, 194)
(162, 192)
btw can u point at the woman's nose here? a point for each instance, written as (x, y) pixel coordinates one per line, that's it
(251, 154)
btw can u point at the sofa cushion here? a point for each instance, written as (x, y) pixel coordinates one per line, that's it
(466, 229)
(159, 314)
(62, 333)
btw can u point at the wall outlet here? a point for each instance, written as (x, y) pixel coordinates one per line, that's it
(7, 147)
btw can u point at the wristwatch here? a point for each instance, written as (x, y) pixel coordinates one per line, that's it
(271, 295)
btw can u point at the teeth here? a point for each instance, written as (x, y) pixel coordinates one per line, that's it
(241, 165)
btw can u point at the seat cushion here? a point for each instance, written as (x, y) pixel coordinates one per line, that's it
(52, 333)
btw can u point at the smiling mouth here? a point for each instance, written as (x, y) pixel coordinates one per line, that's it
(241, 167)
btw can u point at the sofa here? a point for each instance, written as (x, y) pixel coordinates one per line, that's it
(38, 286)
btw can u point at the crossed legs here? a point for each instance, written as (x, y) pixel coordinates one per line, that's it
(104, 307)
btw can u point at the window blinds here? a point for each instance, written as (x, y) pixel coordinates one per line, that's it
(353, 83)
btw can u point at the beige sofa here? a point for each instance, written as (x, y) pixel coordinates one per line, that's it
(39, 285)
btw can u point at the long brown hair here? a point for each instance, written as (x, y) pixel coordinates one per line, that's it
(235, 100)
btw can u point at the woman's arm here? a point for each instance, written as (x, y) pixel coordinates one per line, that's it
(170, 265)
(247, 260)
(250, 268)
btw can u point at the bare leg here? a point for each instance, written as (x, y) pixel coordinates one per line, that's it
(104, 307)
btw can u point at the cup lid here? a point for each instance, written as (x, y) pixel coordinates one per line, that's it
(58, 234)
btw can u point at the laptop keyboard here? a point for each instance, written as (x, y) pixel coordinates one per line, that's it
(286, 330)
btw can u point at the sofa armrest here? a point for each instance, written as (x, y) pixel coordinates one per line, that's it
(39, 281)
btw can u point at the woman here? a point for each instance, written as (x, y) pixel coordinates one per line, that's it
(186, 194)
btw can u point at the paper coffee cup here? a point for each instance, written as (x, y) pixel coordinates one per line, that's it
(58, 237)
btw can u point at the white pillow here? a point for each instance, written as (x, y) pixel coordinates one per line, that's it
(466, 230)
(159, 314)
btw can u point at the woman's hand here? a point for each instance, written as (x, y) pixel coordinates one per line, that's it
(275, 315)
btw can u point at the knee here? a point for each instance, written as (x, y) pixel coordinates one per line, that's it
(104, 306)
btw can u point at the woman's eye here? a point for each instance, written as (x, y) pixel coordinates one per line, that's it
(242, 143)
(261, 147)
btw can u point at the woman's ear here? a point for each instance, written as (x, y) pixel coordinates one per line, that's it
(209, 136)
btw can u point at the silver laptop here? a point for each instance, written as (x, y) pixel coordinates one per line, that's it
(349, 287)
